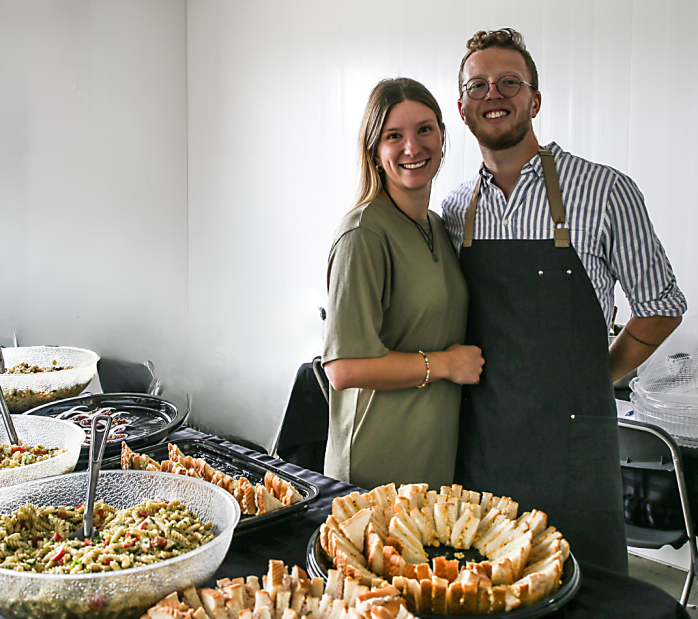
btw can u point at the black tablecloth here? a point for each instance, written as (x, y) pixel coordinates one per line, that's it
(602, 595)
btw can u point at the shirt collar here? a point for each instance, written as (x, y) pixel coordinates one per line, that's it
(534, 165)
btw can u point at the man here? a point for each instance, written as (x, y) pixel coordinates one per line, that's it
(545, 239)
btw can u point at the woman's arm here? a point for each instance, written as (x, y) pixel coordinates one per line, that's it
(399, 370)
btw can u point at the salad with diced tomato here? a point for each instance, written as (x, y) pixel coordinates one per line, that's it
(12, 456)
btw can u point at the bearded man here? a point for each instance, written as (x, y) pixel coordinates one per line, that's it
(543, 236)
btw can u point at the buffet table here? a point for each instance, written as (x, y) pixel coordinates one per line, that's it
(602, 595)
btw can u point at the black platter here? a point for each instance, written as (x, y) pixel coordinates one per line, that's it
(318, 563)
(137, 418)
(235, 464)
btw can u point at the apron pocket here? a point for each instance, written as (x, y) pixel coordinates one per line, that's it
(594, 480)
(554, 300)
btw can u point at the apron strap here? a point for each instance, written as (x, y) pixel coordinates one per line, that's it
(469, 224)
(552, 189)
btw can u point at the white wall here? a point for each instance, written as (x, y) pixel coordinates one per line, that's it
(93, 177)
(257, 104)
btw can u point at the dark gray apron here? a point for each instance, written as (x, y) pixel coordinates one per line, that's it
(541, 425)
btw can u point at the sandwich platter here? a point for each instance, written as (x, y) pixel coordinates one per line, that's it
(451, 552)
(319, 563)
(236, 465)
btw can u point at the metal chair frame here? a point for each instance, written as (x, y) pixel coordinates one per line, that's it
(676, 465)
(321, 377)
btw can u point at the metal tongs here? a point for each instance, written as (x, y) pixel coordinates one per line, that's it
(7, 418)
(5, 410)
(97, 444)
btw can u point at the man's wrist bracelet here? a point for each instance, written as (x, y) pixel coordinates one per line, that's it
(426, 379)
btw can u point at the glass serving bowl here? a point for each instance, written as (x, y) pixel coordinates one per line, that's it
(25, 391)
(48, 432)
(126, 593)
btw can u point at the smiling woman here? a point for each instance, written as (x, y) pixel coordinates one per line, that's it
(410, 153)
(396, 291)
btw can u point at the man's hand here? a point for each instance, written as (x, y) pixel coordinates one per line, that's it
(627, 352)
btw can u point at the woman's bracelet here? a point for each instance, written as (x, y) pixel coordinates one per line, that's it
(426, 378)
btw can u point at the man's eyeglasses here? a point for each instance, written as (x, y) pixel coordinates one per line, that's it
(508, 86)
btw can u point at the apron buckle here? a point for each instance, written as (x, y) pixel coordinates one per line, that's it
(562, 237)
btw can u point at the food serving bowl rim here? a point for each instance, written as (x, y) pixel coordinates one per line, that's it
(76, 348)
(67, 455)
(145, 568)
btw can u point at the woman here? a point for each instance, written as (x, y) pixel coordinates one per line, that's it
(397, 306)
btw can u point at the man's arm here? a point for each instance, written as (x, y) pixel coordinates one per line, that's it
(638, 340)
(639, 262)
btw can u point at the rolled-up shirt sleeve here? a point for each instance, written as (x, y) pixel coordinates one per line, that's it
(636, 256)
(358, 281)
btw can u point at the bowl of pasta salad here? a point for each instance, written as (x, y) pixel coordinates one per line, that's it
(156, 533)
(36, 375)
(47, 447)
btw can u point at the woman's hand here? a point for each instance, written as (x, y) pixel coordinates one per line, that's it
(461, 364)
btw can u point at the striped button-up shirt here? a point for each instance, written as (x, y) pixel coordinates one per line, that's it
(609, 228)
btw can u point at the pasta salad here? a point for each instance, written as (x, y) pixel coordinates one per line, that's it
(34, 539)
(12, 456)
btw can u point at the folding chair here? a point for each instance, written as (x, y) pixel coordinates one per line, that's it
(651, 448)
(119, 376)
(302, 435)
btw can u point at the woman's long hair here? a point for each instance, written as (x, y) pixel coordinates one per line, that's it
(387, 93)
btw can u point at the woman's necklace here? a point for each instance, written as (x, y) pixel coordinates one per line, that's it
(428, 237)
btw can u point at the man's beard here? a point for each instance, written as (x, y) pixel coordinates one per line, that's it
(502, 141)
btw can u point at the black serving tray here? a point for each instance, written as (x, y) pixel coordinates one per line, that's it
(235, 464)
(318, 563)
(149, 419)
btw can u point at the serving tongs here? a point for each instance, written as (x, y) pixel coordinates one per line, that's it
(97, 445)
(7, 418)
(78, 410)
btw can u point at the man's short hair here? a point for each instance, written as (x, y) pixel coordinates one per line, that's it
(506, 38)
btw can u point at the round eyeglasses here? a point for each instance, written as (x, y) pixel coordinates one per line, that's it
(508, 86)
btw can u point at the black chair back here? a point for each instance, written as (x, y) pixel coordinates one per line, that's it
(121, 376)
(302, 436)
